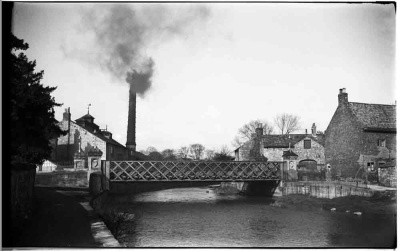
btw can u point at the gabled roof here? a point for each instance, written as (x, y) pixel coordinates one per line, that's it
(283, 141)
(100, 135)
(374, 116)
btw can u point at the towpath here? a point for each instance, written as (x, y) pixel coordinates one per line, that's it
(59, 220)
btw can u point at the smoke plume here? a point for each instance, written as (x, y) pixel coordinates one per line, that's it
(140, 81)
(123, 32)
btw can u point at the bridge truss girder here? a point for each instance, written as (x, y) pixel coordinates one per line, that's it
(128, 171)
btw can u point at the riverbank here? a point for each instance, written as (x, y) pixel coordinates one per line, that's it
(62, 218)
(380, 203)
(383, 201)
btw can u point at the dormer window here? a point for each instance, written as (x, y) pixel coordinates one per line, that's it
(307, 144)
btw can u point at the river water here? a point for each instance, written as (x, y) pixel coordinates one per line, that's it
(198, 217)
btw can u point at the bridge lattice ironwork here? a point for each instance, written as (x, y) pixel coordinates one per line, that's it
(193, 171)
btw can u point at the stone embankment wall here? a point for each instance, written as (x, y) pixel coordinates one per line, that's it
(62, 179)
(324, 189)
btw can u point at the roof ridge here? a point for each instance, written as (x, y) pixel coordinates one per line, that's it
(371, 104)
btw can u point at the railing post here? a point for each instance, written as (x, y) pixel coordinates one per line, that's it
(107, 169)
(89, 168)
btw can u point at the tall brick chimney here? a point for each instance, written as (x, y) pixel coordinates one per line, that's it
(343, 96)
(131, 135)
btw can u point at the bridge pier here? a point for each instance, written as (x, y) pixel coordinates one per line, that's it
(257, 188)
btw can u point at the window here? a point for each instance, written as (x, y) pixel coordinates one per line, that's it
(370, 166)
(112, 150)
(382, 142)
(307, 144)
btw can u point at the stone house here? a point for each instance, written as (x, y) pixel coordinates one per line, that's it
(308, 149)
(83, 137)
(360, 137)
(252, 149)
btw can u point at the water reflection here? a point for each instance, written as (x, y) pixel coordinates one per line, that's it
(198, 217)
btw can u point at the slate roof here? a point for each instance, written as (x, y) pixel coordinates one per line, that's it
(374, 116)
(282, 141)
(85, 117)
(289, 153)
(110, 141)
(391, 163)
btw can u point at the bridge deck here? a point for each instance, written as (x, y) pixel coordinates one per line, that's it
(156, 171)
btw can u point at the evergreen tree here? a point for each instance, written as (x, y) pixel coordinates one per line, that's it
(32, 121)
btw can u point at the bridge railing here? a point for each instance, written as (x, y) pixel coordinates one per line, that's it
(125, 171)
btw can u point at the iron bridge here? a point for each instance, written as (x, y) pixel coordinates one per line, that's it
(128, 171)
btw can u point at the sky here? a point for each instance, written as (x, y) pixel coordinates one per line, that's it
(214, 66)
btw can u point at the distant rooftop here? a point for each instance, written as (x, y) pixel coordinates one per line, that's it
(283, 141)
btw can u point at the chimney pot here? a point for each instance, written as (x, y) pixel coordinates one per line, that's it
(343, 96)
(259, 132)
(67, 115)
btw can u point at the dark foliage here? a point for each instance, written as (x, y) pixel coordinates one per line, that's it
(32, 121)
(223, 157)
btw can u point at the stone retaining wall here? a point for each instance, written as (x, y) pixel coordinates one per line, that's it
(324, 190)
(62, 179)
